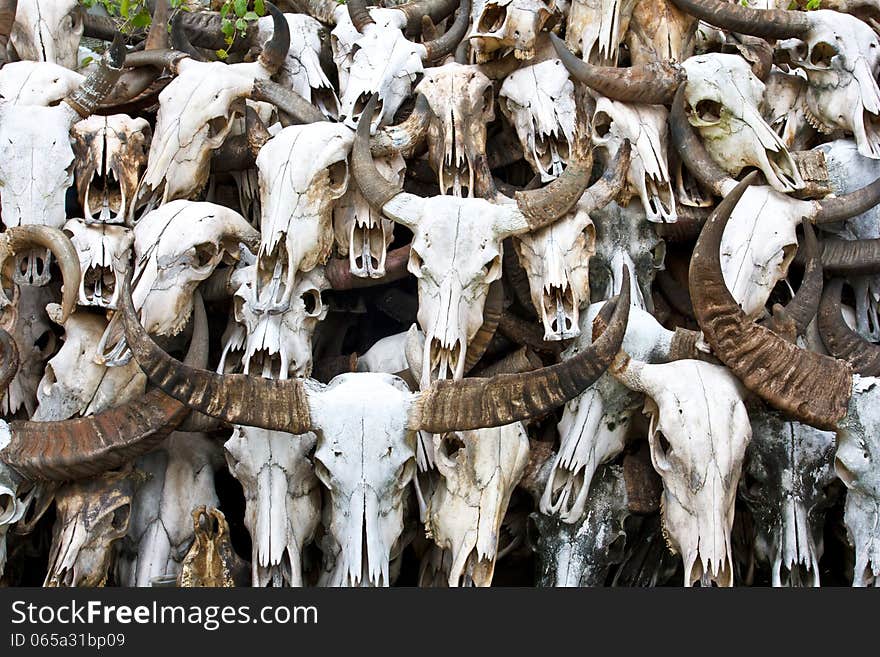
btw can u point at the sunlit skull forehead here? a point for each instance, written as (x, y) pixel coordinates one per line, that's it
(111, 153)
(723, 100)
(48, 31)
(37, 83)
(539, 102)
(365, 456)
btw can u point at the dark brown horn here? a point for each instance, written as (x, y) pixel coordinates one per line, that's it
(18, 239)
(407, 135)
(812, 388)
(233, 398)
(359, 14)
(180, 40)
(375, 189)
(652, 84)
(732, 16)
(447, 43)
(805, 303)
(275, 51)
(492, 311)
(436, 10)
(157, 37)
(289, 102)
(831, 210)
(10, 360)
(97, 86)
(544, 206)
(689, 222)
(851, 257)
(338, 271)
(691, 150)
(87, 446)
(839, 339)
(475, 403)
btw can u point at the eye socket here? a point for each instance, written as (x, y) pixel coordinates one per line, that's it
(323, 474)
(602, 124)
(660, 451)
(488, 99)
(708, 111)
(451, 444)
(119, 521)
(312, 301)
(492, 19)
(822, 53)
(338, 175)
(206, 252)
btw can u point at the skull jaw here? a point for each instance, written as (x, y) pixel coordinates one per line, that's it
(33, 268)
(559, 313)
(96, 282)
(367, 248)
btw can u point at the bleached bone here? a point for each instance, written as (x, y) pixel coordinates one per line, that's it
(111, 153)
(723, 99)
(37, 83)
(48, 31)
(104, 258)
(180, 478)
(595, 29)
(478, 473)
(698, 434)
(539, 102)
(784, 110)
(92, 515)
(505, 25)
(788, 468)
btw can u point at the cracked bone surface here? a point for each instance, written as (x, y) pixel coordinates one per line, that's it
(788, 469)
(48, 31)
(595, 29)
(504, 26)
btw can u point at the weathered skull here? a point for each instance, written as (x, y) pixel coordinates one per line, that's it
(282, 497)
(211, 560)
(505, 25)
(111, 153)
(698, 435)
(366, 458)
(582, 553)
(48, 31)
(624, 236)
(196, 112)
(73, 384)
(297, 203)
(91, 517)
(595, 29)
(722, 99)
(381, 60)
(362, 233)
(275, 345)
(35, 340)
(37, 83)
(855, 464)
(556, 261)
(180, 478)
(841, 57)
(478, 473)
(301, 70)
(784, 108)
(788, 468)
(463, 104)
(646, 128)
(658, 31)
(104, 258)
(539, 102)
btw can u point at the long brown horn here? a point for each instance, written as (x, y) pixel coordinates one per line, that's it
(652, 84)
(545, 205)
(407, 135)
(359, 14)
(87, 446)
(233, 398)
(851, 257)
(492, 311)
(436, 10)
(375, 189)
(289, 102)
(447, 43)
(842, 207)
(475, 403)
(766, 23)
(9, 360)
(275, 51)
(18, 239)
(180, 40)
(97, 86)
(812, 388)
(690, 149)
(840, 340)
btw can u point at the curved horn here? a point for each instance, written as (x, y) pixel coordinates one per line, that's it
(10, 360)
(375, 189)
(407, 135)
(830, 210)
(436, 10)
(732, 16)
(492, 311)
(98, 85)
(653, 84)
(275, 51)
(840, 340)
(447, 43)
(180, 40)
(805, 303)
(476, 403)
(851, 257)
(17, 239)
(289, 102)
(87, 446)
(812, 388)
(691, 150)
(544, 206)
(359, 14)
(233, 398)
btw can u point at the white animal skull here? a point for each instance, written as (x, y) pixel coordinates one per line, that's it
(722, 99)
(505, 25)
(784, 108)
(478, 473)
(37, 83)
(283, 500)
(104, 258)
(48, 31)
(595, 29)
(539, 102)
(646, 128)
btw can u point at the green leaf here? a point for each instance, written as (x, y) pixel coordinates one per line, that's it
(260, 7)
(250, 16)
(124, 7)
(222, 54)
(241, 25)
(240, 7)
(227, 27)
(142, 19)
(224, 10)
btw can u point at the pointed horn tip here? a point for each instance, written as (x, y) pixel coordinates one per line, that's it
(117, 51)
